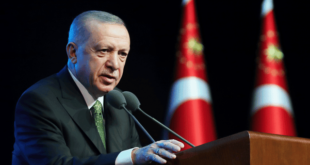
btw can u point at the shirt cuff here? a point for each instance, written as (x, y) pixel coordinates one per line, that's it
(124, 157)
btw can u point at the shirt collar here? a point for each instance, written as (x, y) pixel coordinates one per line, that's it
(87, 97)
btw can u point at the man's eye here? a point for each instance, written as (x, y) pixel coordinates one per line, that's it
(123, 53)
(104, 50)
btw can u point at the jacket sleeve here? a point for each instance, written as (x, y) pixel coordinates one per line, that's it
(39, 139)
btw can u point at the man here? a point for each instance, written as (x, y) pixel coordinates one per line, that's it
(59, 119)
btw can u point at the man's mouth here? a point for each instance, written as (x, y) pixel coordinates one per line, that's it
(107, 79)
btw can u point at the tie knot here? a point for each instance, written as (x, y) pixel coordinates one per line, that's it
(98, 107)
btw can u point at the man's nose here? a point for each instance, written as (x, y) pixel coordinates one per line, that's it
(112, 61)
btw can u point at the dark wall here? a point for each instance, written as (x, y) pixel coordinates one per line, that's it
(34, 36)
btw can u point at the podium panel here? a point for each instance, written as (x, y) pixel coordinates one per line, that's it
(248, 148)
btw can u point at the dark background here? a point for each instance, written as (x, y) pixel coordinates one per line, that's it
(34, 36)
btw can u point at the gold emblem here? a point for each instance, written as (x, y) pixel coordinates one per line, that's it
(195, 46)
(270, 34)
(189, 64)
(274, 53)
(191, 26)
(273, 72)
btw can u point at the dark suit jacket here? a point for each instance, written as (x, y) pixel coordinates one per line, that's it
(53, 126)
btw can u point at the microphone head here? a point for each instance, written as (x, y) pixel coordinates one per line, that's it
(133, 102)
(116, 99)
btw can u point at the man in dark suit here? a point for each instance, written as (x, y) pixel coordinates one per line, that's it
(63, 119)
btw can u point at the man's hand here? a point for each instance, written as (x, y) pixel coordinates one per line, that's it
(156, 152)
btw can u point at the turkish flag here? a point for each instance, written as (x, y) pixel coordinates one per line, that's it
(190, 112)
(272, 110)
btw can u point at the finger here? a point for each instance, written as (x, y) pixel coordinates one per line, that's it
(164, 153)
(157, 159)
(177, 143)
(169, 146)
(171, 151)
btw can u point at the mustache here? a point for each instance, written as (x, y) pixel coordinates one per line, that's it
(109, 74)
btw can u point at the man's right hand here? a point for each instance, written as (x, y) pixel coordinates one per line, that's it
(156, 152)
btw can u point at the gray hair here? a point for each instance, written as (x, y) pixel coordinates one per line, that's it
(78, 29)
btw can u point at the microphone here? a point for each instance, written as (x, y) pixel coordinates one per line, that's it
(133, 104)
(117, 100)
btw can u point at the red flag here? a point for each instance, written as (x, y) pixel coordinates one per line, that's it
(272, 110)
(190, 112)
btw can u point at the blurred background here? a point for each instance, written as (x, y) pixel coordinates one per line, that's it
(34, 37)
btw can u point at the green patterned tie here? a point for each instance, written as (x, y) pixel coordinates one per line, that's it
(99, 120)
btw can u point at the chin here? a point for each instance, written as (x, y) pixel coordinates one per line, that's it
(104, 90)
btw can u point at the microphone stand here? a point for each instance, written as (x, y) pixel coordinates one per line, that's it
(166, 128)
(143, 129)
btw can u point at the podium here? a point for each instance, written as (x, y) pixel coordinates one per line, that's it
(248, 148)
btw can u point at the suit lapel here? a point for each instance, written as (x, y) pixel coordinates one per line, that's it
(74, 103)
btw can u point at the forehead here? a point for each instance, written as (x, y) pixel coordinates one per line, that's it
(108, 32)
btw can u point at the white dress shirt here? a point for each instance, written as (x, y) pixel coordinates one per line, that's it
(124, 157)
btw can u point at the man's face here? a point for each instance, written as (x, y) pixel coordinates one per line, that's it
(101, 58)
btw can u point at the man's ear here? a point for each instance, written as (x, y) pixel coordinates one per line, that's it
(71, 52)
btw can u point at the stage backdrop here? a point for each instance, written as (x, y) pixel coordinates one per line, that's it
(34, 37)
